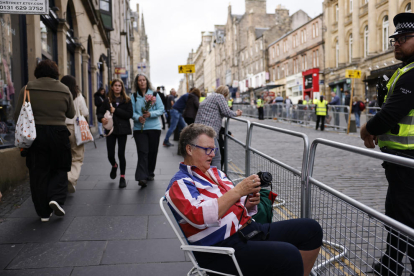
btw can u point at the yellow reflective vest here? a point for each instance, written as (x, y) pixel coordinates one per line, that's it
(304, 102)
(321, 108)
(259, 103)
(230, 103)
(404, 140)
(202, 99)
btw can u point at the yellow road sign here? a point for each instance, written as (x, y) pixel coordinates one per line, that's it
(186, 69)
(353, 74)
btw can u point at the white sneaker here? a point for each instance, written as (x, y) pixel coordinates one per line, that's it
(56, 208)
(46, 219)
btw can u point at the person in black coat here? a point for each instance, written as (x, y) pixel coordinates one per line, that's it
(162, 96)
(99, 99)
(191, 107)
(119, 104)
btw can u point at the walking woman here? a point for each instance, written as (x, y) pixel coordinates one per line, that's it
(147, 129)
(77, 151)
(99, 99)
(191, 107)
(119, 104)
(49, 158)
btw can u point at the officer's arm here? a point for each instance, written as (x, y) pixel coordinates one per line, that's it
(397, 107)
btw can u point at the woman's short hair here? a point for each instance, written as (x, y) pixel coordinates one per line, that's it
(190, 134)
(223, 90)
(47, 69)
(196, 92)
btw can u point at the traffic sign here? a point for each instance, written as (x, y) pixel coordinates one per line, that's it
(186, 69)
(353, 74)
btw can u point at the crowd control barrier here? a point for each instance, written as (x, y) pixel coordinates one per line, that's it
(355, 235)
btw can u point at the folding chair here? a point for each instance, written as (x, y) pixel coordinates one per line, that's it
(188, 249)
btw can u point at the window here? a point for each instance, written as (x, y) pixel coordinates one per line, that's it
(304, 34)
(287, 69)
(105, 7)
(366, 49)
(257, 65)
(317, 58)
(408, 7)
(336, 12)
(385, 31)
(242, 56)
(350, 6)
(350, 49)
(274, 51)
(278, 72)
(235, 31)
(317, 28)
(294, 41)
(313, 30)
(274, 74)
(304, 63)
(277, 49)
(257, 48)
(337, 54)
(261, 45)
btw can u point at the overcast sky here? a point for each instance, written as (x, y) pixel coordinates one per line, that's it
(174, 28)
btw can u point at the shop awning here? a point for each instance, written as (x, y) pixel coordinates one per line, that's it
(388, 71)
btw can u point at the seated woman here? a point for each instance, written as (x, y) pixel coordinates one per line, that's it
(211, 212)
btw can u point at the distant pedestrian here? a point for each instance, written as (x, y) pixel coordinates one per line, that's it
(191, 106)
(99, 97)
(78, 152)
(164, 100)
(147, 129)
(347, 102)
(177, 119)
(335, 101)
(356, 110)
(321, 111)
(49, 159)
(260, 105)
(230, 103)
(288, 103)
(169, 104)
(119, 104)
(203, 97)
(211, 113)
(279, 105)
(372, 105)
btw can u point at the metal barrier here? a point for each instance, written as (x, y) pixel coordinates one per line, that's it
(354, 234)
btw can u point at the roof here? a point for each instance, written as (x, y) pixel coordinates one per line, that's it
(259, 32)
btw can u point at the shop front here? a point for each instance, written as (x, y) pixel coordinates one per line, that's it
(340, 87)
(372, 80)
(310, 83)
(294, 88)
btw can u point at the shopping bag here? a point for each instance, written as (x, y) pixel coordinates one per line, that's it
(110, 125)
(25, 132)
(82, 132)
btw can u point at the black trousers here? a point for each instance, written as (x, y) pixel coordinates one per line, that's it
(163, 121)
(49, 160)
(322, 120)
(110, 145)
(147, 148)
(189, 121)
(261, 115)
(399, 205)
(278, 255)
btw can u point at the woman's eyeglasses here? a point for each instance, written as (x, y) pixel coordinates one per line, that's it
(208, 151)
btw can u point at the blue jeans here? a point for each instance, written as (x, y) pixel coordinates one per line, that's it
(357, 119)
(176, 119)
(100, 128)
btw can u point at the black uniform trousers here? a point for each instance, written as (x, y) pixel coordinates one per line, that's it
(261, 115)
(110, 146)
(322, 120)
(399, 205)
(147, 148)
(49, 160)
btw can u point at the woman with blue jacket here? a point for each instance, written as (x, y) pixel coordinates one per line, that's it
(147, 129)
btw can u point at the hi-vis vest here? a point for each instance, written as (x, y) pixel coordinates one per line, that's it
(304, 102)
(202, 99)
(230, 103)
(404, 140)
(259, 103)
(321, 108)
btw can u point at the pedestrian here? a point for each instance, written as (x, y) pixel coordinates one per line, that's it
(49, 158)
(78, 152)
(372, 105)
(356, 110)
(321, 112)
(191, 106)
(177, 119)
(392, 127)
(211, 113)
(335, 101)
(164, 100)
(119, 104)
(279, 105)
(99, 96)
(260, 105)
(203, 97)
(273, 108)
(347, 102)
(169, 103)
(147, 129)
(230, 103)
(288, 104)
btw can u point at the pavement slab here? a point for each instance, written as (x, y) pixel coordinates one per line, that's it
(65, 271)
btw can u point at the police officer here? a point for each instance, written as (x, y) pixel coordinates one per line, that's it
(321, 111)
(392, 129)
(260, 104)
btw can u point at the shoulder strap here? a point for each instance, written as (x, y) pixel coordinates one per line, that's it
(26, 94)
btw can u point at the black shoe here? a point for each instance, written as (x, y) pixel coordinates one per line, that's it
(56, 208)
(113, 172)
(150, 178)
(122, 183)
(142, 183)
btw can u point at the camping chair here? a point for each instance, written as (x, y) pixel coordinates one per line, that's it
(188, 249)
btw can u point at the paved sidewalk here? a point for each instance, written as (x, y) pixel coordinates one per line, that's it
(106, 230)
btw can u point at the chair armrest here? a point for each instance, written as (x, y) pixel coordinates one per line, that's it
(209, 249)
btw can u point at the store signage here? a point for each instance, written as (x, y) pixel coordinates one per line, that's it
(120, 70)
(25, 7)
(308, 81)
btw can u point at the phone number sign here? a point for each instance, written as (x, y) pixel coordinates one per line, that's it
(24, 6)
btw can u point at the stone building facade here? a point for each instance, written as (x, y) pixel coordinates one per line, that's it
(296, 61)
(356, 37)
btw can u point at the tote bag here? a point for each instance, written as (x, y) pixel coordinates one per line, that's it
(82, 132)
(110, 125)
(25, 132)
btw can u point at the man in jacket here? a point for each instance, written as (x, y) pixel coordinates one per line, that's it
(177, 119)
(169, 102)
(390, 128)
